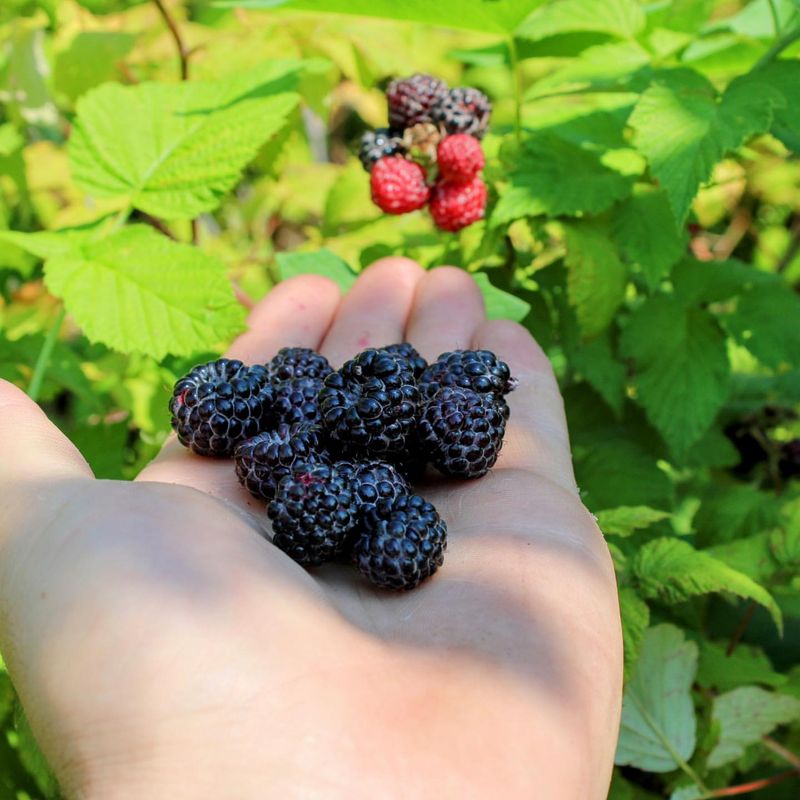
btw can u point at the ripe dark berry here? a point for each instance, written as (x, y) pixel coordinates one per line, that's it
(261, 462)
(457, 205)
(217, 405)
(407, 351)
(298, 362)
(402, 543)
(314, 514)
(464, 110)
(295, 401)
(412, 100)
(398, 185)
(374, 481)
(460, 158)
(461, 432)
(479, 370)
(378, 144)
(370, 404)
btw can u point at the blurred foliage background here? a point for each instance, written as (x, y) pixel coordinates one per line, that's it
(644, 223)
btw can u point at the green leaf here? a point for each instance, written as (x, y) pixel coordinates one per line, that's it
(745, 665)
(727, 513)
(672, 571)
(320, 262)
(596, 277)
(766, 323)
(90, 59)
(680, 15)
(174, 150)
(623, 18)
(648, 235)
(744, 716)
(684, 129)
(544, 182)
(44, 244)
(658, 723)
(751, 556)
(635, 618)
(682, 369)
(626, 520)
(784, 76)
(594, 360)
(690, 792)
(497, 16)
(620, 471)
(500, 304)
(139, 291)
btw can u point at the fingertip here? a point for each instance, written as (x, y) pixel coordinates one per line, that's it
(399, 267)
(514, 344)
(296, 292)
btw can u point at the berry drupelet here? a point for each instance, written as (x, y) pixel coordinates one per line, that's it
(295, 401)
(464, 110)
(461, 432)
(297, 362)
(413, 100)
(314, 513)
(217, 405)
(402, 543)
(374, 481)
(261, 462)
(378, 144)
(407, 351)
(479, 370)
(398, 185)
(370, 404)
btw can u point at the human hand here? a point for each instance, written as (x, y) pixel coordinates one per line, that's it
(163, 648)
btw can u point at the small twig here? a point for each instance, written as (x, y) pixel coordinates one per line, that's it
(778, 47)
(794, 246)
(741, 628)
(183, 52)
(784, 753)
(753, 786)
(155, 222)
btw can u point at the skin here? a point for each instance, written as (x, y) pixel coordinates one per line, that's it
(163, 648)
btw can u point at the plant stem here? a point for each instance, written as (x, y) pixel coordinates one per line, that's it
(516, 80)
(786, 754)
(776, 23)
(183, 52)
(793, 249)
(741, 628)
(753, 786)
(43, 359)
(778, 47)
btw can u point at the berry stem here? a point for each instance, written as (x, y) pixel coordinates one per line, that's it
(516, 81)
(43, 359)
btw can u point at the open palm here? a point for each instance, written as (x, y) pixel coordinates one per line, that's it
(163, 648)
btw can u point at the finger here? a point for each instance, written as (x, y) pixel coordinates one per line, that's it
(536, 436)
(375, 311)
(36, 457)
(33, 448)
(448, 308)
(296, 313)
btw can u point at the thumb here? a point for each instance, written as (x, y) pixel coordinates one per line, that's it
(33, 449)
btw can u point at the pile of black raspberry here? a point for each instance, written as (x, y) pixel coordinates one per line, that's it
(332, 452)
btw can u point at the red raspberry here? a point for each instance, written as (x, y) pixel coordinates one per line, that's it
(460, 158)
(456, 205)
(398, 185)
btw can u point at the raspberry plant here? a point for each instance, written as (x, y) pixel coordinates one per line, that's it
(643, 219)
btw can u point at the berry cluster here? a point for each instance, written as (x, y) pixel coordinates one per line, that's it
(430, 154)
(332, 451)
